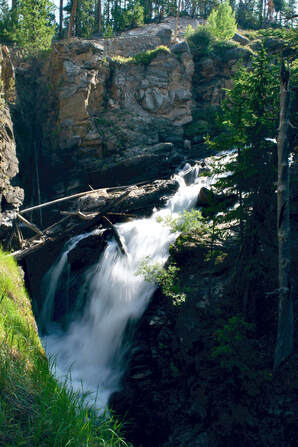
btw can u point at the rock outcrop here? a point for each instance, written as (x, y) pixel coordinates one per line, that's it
(10, 197)
(112, 121)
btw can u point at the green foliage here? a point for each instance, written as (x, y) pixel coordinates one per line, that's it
(221, 22)
(190, 224)
(200, 40)
(133, 16)
(148, 56)
(203, 122)
(35, 409)
(249, 116)
(167, 279)
(8, 23)
(85, 18)
(108, 32)
(122, 60)
(142, 58)
(35, 30)
(236, 352)
(221, 48)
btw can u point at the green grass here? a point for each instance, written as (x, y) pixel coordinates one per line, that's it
(36, 410)
(143, 58)
(148, 56)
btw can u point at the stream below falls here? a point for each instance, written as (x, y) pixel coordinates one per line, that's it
(92, 353)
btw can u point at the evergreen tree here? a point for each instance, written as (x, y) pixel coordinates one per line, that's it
(8, 20)
(85, 18)
(222, 22)
(35, 28)
(249, 117)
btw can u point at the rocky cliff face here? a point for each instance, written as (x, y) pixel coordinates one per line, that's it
(106, 117)
(104, 112)
(10, 197)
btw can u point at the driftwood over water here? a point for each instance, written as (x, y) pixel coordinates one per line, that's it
(55, 235)
(138, 200)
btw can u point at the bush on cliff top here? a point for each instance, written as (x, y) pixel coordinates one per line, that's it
(148, 56)
(143, 58)
(35, 410)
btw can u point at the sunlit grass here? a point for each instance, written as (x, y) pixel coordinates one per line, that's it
(36, 410)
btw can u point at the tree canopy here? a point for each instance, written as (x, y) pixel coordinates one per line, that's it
(32, 24)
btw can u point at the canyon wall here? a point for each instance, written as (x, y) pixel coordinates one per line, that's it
(11, 197)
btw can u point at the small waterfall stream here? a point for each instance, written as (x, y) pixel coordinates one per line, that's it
(92, 350)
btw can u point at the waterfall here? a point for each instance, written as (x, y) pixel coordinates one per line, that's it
(51, 280)
(92, 350)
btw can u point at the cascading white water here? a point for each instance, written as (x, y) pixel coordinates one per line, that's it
(51, 279)
(92, 349)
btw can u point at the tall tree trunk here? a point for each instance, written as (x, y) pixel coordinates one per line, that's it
(285, 330)
(178, 18)
(99, 25)
(72, 18)
(61, 19)
(14, 4)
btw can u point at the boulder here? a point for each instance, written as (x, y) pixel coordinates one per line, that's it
(181, 47)
(87, 251)
(241, 39)
(205, 197)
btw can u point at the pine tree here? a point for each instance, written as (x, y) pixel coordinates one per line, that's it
(35, 28)
(222, 22)
(249, 117)
(8, 21)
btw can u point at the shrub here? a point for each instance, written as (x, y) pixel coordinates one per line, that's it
(148, 56)
(199, 40)
(167, 279)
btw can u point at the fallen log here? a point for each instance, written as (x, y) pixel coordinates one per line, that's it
(51, 227)
(20, 254)
(79, 214)
(30, 225)
(85, 193)
(116, 235)
(19, 235)
(89, 216)
(75, 229)
(62, 199)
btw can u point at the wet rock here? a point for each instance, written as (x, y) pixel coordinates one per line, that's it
(189, 175)
(87, 251)
(205, 197)
(187, 144)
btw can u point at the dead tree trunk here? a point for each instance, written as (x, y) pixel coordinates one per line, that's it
(72, 18)
(61, 19)
(177, 18)
(99, 27)
(285, 330)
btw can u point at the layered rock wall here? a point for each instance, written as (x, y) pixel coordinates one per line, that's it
(10, 197)
(104, 113)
